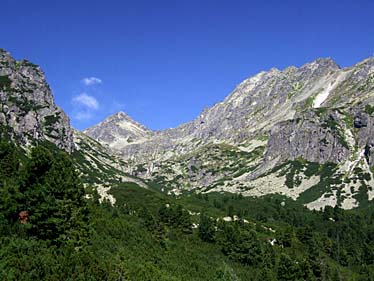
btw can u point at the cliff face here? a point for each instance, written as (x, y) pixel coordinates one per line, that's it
(325, 135)
(27, 108)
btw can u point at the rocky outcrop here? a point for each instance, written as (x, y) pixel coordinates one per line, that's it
(364, 131)
(27, 108)
(325, 135)
(312, 137)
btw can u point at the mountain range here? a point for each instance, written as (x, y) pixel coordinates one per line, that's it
(302, 132)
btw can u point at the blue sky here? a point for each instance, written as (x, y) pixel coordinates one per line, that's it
(163, 61)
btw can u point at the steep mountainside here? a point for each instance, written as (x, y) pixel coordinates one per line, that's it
(27, 108)
(29, 114)
(291, 132)
(100, 170)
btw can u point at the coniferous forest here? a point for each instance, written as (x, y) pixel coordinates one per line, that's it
(54, 229)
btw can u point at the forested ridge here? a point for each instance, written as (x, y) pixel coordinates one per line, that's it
(52, 228)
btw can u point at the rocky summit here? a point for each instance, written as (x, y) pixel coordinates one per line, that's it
(119, 130)
(27, 108)
(305, 132)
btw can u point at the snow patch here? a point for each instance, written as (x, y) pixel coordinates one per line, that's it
(321, 97)
(332, 83)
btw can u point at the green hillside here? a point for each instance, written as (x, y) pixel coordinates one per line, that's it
(50, 230)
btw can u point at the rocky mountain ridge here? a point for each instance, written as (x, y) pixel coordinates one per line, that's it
(253, 107)
(317, 113)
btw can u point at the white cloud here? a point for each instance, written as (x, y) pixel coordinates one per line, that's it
(87, 101)
(89, 81)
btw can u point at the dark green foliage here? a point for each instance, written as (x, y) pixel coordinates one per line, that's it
(331, 124)
(328, 177)
(369, 109)
(288, 269)
(149, 236)
(9, 170)
(5, 83)
(51, 119)
(207, 231)
(9, 160)
(225, 273)
(24, 104)
(241, 244)
(177, 217)
(321, 111)
(49, 191)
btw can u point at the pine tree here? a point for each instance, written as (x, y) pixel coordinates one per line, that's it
(207, 230)
(249, 249)
(9, 161)
(9, 194)
(288, 269)
(53, 196)
(147, 219)
(182, 220)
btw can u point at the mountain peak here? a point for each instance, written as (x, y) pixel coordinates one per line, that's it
(325, 63)
(122, 115)
(119, 130)
(119, 116)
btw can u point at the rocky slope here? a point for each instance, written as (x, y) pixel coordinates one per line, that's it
(27, 108)
(100, 170)
(119, 130)
(277, 132)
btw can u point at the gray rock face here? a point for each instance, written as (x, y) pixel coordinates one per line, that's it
(365, 134)
(320, 137)
(119, 130)
(27, 107)
(317, 113)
